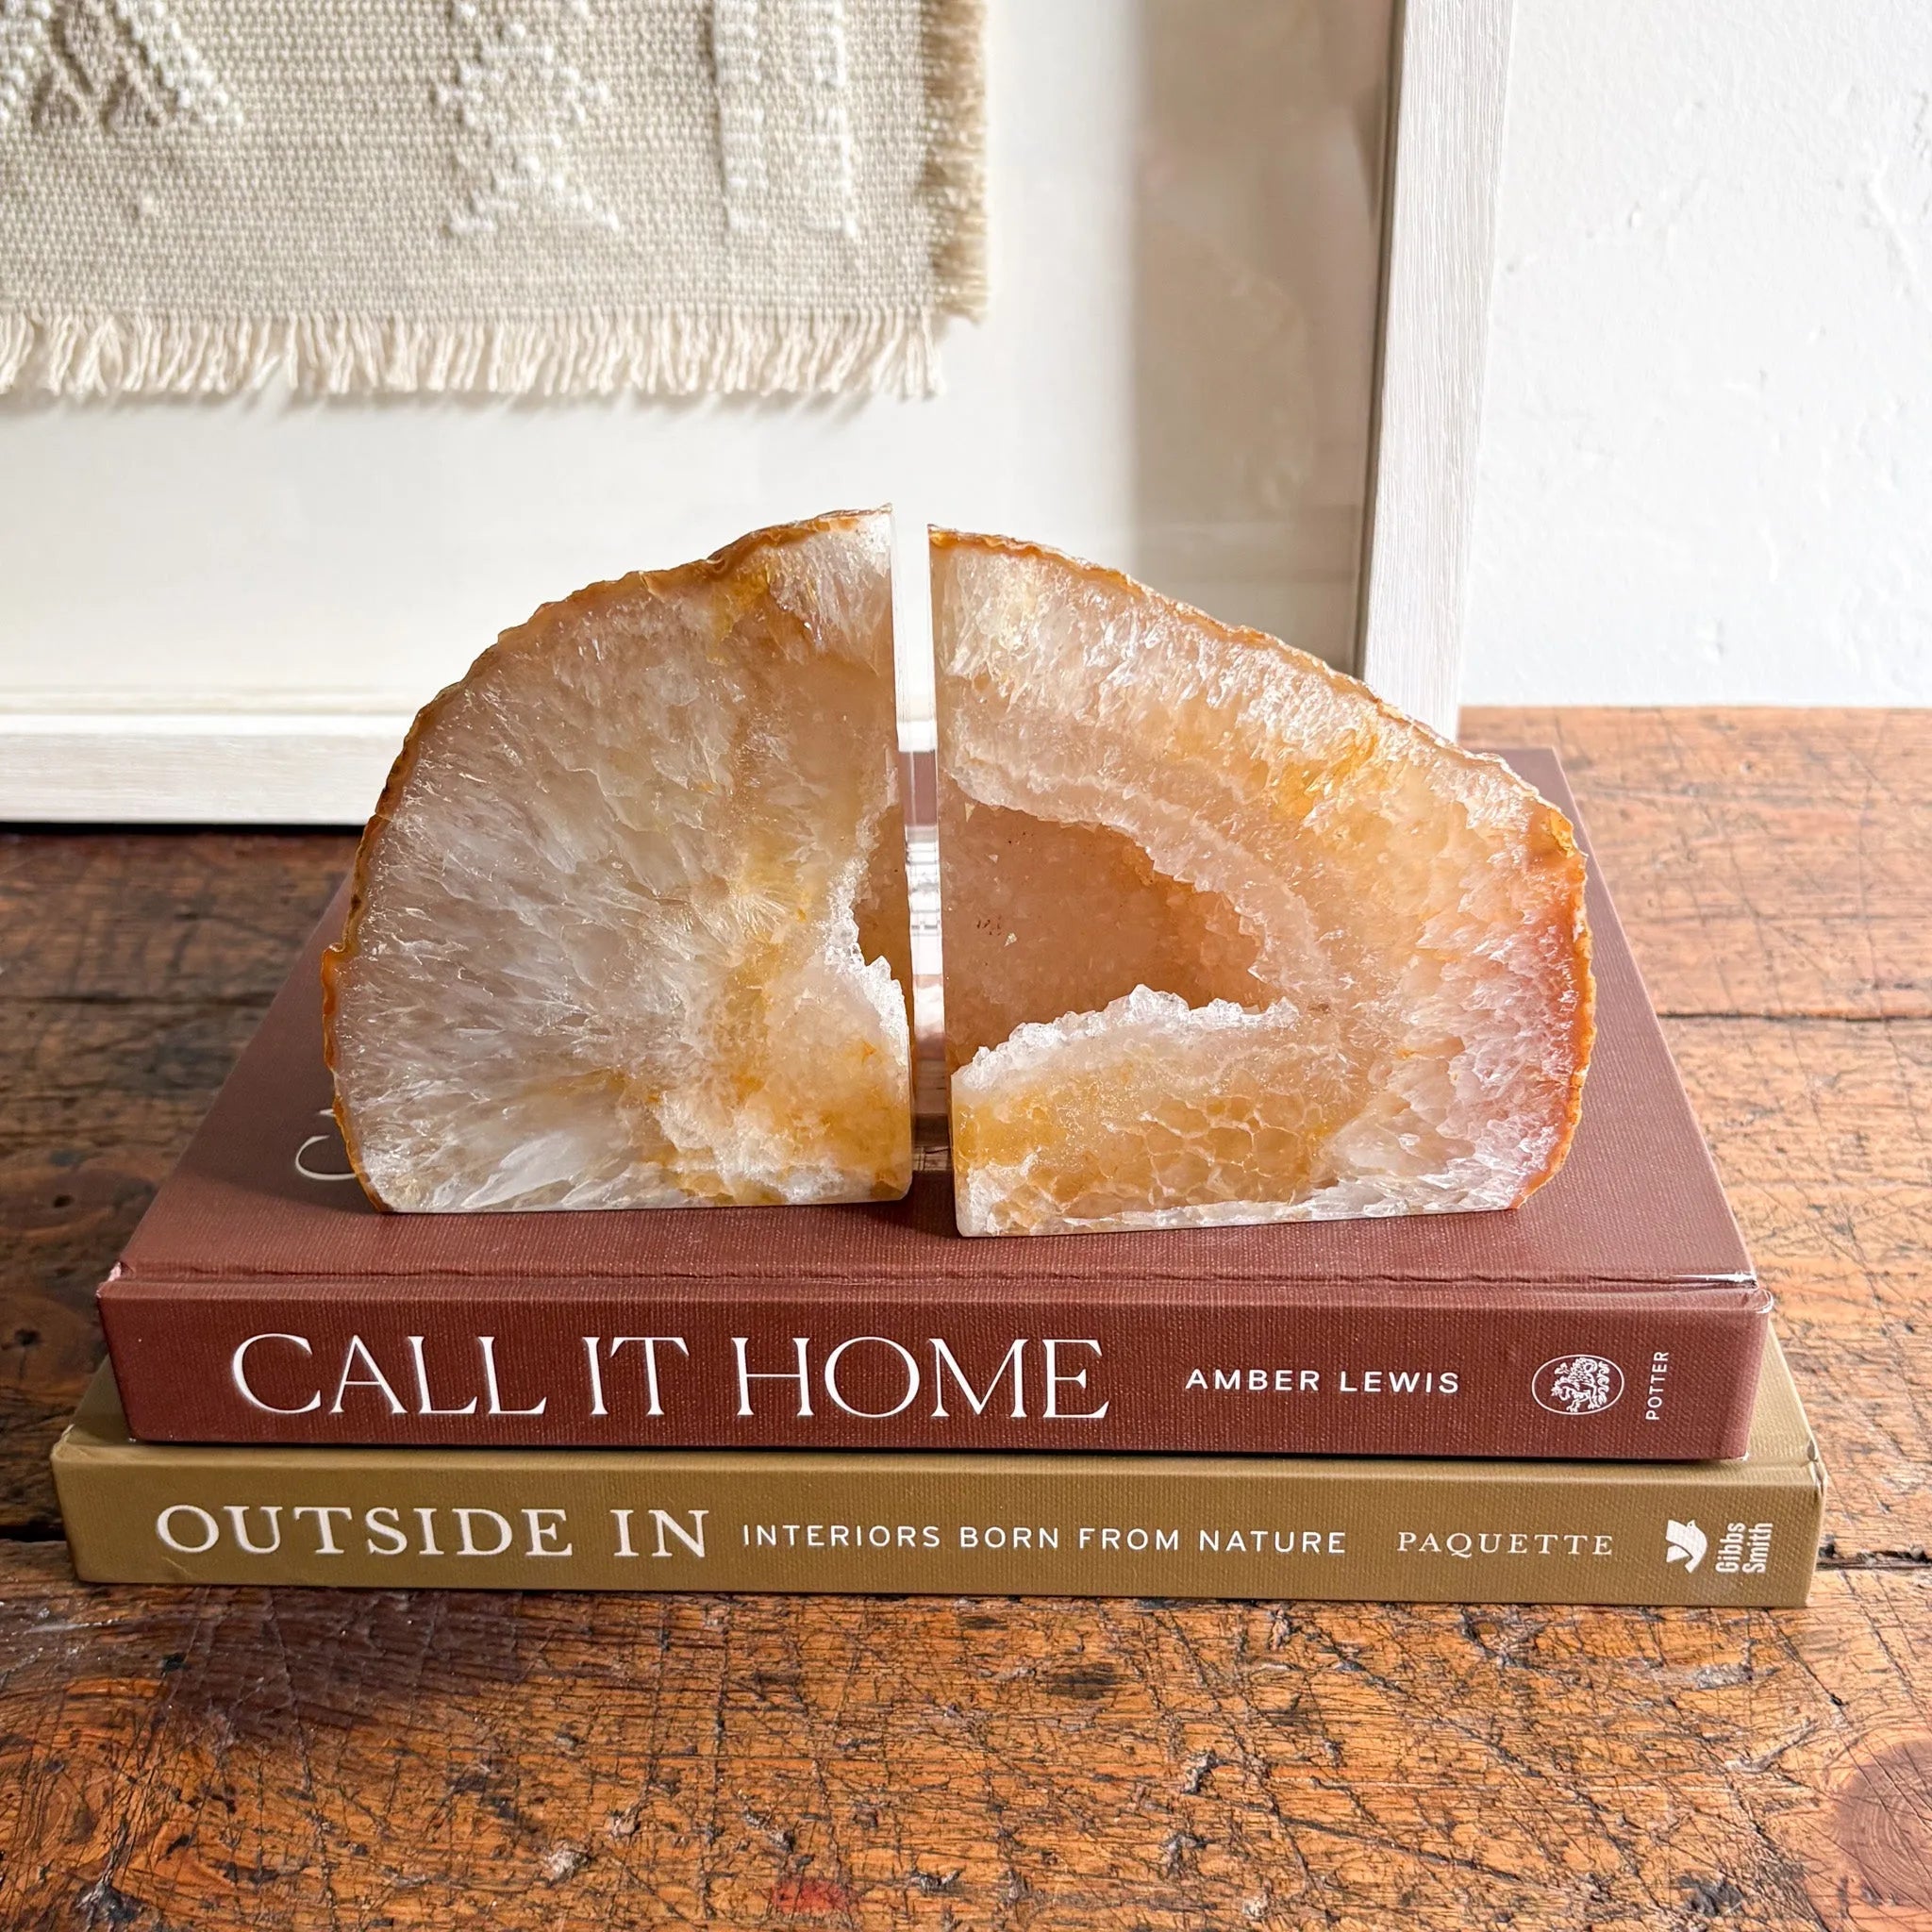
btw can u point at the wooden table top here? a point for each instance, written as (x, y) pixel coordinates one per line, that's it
(252, 1760)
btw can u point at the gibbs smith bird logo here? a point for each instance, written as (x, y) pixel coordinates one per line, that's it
(1685, 1543)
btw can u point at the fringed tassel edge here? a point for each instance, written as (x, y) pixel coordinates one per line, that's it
(585, 353)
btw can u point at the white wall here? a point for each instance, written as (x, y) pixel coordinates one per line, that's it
(1707, 467)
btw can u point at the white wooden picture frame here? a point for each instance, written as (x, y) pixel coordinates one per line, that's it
(1446, 149)
(298, 745)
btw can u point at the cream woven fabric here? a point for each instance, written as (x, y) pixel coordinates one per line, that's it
(544, 197)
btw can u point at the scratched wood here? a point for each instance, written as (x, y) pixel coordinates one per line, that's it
(1766, 862)
(252, 1760)
(305, 1758)
(133, 967)
(205, 917)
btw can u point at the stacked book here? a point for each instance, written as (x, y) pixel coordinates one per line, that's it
(1576, 1401)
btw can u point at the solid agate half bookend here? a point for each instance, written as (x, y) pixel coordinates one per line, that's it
(629, 925)
(1227, 939)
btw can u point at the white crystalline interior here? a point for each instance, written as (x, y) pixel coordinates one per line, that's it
(611, 951)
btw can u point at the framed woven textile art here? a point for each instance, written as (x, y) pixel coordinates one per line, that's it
(336, 337)
(548, 196)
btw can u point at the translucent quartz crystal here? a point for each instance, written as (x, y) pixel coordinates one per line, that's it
(630, 924)
(1226, 939)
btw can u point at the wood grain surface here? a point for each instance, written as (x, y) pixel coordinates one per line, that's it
(1766, 862)
(243, 1758)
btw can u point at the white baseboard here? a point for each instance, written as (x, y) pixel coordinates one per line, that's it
(214, 767)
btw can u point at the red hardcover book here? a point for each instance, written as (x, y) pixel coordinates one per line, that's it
(1614, 1314)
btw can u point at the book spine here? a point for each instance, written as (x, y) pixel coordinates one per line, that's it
(1630, 1377)
(1143, 1527)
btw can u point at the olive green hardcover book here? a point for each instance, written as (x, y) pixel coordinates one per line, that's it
(1362, 1528)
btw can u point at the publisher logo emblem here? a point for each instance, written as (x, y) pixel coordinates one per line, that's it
(1685, 1543)
(1578, 1383)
